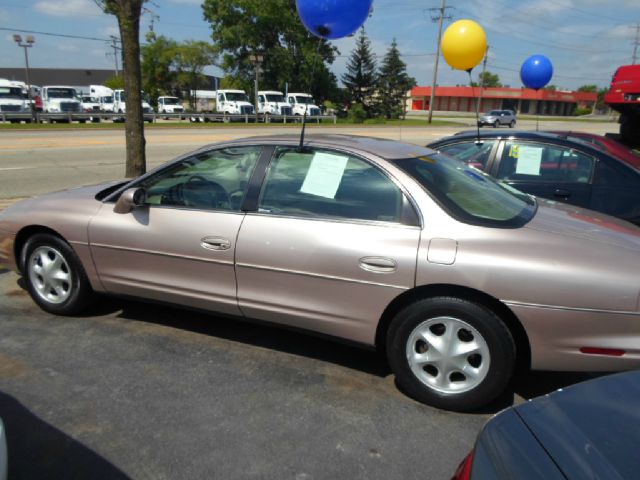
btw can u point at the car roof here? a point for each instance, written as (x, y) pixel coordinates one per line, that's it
(387, 149)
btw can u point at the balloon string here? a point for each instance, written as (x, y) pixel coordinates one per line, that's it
(473, 91)
(306, 105)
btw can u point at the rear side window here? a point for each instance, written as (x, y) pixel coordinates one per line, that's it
(322, 183)
(536, 162)
(470, 152)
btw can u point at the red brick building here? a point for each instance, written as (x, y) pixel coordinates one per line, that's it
(521, 100)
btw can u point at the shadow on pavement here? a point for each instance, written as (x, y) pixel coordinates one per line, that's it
(258, 334)
(38, 450)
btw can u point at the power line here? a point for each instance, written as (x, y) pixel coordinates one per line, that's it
(57, 34)
(636, 42)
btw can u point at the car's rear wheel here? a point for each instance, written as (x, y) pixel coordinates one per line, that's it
(55, 277)
(450, 353)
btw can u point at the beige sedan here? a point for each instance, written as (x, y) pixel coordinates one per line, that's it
(456, 277)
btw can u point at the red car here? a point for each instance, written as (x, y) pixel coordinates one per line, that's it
(608, 144)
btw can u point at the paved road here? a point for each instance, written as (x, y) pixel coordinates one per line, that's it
(39, 161)
(137, 391)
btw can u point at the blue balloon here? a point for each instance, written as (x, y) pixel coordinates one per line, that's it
(333, 19)
(536, 71)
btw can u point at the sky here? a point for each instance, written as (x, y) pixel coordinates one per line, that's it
(585, 40)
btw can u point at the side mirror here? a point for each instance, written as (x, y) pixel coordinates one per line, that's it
(130, 199)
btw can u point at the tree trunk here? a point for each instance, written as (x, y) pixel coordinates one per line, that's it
(129, 22)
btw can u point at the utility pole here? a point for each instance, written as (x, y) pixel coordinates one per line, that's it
(636, 43)
(437, 15)
(114, 45)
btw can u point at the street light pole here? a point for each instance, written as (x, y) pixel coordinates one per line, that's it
(30, 40)
(257, 60)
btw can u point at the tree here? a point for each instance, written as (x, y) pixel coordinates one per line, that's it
(588, 88)
(291, 54)
(128, 13)
(487, 79)
(115, 82)
(158, 65)
(191, 59)
(393, 84)
(361, 79)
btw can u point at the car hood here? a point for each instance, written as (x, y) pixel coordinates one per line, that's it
(54, 205)
(590, 429)
(585, 225)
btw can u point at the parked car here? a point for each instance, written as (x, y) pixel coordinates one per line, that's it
(495, 118)
(607, 143)
(553, 166)
(455, 276)
(588, 430)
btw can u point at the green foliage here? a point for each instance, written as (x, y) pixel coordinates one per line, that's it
(241, 28)
(489, 80)
(551, 88)
(158, 66)
(393, 84)
(361, 79)
(116, 82)
(588, 88)
(191, 59)
(357, 113)
(579, 111)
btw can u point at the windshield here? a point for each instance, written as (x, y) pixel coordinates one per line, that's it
(171, 101)
(468, 194)
(11, 92)
(304, 100)
(274, 98)
(494, 113)
(90, 100)
(61, 93)
(107, 99)
(236, 97)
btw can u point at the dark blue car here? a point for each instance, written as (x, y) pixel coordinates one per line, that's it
(552, 166)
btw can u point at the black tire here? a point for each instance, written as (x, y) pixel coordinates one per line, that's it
(496, 124)
(469, 322)
(77, 292)
(512, 124)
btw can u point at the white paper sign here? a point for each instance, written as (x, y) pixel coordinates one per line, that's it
(529, 160)
(324, 175)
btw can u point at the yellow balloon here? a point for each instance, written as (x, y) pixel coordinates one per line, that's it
(464, 44)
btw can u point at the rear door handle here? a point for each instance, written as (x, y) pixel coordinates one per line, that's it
(378, 264)
(562, 193)
(215, 243)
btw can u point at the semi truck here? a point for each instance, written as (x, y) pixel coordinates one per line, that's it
(12, 101)
(60, 99)
(271, 102)
(104, 95)
(303, 101)
(120, 106)
(233, 102)
(624, 97)
(169, 105)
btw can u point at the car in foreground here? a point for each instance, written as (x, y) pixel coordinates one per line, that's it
(4, 459)
(455, 276)
(552, 166)
(588, 430)
(497, 118)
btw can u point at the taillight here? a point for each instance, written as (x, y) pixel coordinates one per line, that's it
(463, 472)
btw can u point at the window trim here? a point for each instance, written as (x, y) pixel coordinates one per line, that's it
(410, 215)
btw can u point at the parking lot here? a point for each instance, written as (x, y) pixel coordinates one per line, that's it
(132, 390)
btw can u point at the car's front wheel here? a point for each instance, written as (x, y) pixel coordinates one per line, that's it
(512, 124)
(496, 124)
(54, 275)
(450, 353)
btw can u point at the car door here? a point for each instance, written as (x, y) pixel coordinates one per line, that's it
(332, 242)
(552, 171)
(180, 245)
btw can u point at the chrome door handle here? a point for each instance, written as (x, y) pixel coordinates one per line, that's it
(215, 243)
(378, 264)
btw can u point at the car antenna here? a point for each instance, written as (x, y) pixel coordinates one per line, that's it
(478, 141)
(322, 30)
